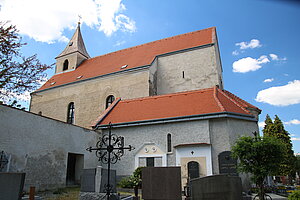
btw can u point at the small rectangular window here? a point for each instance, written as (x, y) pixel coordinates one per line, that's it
(182, 74)
(150, 162)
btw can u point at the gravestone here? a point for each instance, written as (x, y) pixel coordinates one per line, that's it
(11, 185)
(88, 180)
(161, 183)
(112, 180)
(221, 187)
(227, 164)
(90, 177)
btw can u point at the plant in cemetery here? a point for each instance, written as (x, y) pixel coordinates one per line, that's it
(259, 156)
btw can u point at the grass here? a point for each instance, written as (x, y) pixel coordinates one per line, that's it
(68, 193)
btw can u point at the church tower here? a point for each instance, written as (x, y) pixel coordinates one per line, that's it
(73, 55)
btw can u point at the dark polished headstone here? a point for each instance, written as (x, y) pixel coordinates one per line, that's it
(112, 180)
(221, 187)
(11, 185)
(161, 183)
(227, 164)
(88, 180)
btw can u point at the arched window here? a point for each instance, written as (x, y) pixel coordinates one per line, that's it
(169, 142)
(109, 100)
(71, 113)
(66, 65)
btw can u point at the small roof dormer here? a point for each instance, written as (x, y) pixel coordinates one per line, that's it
(74, 53)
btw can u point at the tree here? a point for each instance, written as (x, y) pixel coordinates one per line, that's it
(18, 74)
(260, 157)
(276, 129)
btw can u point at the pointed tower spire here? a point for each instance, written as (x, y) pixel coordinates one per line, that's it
(74, 53)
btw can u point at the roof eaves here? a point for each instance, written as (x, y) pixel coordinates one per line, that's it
(190, 144)
(183, 118)
(95, 77)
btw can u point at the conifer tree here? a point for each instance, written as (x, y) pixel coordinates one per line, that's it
(268, 128)
(276, 129)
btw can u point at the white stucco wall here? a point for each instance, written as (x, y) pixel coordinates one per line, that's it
(198, 151)
(39, 146)
(156, 134)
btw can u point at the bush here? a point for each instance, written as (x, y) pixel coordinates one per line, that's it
(295, 195)
(126, 182)
(132, 181)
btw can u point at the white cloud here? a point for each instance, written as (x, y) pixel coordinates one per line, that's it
(119, 43)
(295, 139)
(261, 124)
(293, 122)
(249, 64)
(254, 43)
(276, 58)
(45, 21)
(282, 95)
(235, 52)
(6, 96)
(268, 80)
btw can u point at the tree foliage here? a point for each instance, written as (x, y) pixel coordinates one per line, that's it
(259, 156)
(276, 129)
(18, 73)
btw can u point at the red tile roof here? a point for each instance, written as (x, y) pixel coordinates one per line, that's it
(137, 56)
(197, 102)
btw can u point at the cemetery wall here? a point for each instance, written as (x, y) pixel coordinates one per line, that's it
(39, 146)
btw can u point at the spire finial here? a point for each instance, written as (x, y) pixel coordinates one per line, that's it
(79, 18)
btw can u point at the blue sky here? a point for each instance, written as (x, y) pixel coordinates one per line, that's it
(258, 39)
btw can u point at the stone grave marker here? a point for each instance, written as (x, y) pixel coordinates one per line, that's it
(161, 183)
(227, 164)
(112, 180)
(94, 180)
(11, 185)
(88, 180)
(221, 187)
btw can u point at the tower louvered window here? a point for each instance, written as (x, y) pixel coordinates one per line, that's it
(66, 65)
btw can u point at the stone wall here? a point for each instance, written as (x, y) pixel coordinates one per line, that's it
(89, 97)
(189, 70)
(39, 146)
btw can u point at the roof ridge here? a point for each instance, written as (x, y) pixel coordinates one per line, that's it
(239, 99)
(232, 100)
(155, 41)
(217, 99)
(105, 113)
(166, 95)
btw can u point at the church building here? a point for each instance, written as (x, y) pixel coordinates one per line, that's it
(165, 97)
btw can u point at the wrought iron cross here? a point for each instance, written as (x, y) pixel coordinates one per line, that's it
(109, 149)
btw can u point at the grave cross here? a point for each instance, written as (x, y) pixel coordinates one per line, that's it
(109, 149)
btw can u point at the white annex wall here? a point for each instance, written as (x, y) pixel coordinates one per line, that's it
(195, 151)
